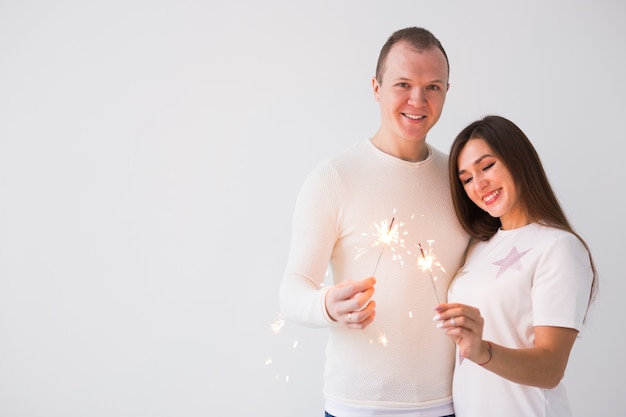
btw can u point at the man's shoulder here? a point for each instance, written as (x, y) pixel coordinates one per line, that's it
(339, 162)
(347, 155)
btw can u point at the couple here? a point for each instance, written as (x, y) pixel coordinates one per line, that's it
(518, 279)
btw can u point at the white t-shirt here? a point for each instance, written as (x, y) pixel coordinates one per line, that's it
(400, 361)
(521, 278)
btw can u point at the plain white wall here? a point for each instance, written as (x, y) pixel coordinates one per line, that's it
(150, 156)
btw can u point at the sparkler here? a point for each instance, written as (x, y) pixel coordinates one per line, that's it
(426, 263)
(387, 235)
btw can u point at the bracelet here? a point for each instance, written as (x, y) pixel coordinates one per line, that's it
(490, 350)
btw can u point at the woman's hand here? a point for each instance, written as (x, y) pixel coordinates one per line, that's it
(465, 325)
(541, 365)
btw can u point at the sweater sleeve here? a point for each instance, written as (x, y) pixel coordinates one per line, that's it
(314, 233)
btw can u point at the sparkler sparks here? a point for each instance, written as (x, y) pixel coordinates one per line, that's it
(387, 234)
(426, 263)
(278, 324)
(382, 339)
(279, 362)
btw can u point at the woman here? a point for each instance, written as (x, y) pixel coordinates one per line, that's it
(515, 308)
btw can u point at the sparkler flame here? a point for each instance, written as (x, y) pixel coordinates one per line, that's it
(426, 263)
(387, 235)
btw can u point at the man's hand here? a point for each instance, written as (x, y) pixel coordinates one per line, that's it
(350, 302)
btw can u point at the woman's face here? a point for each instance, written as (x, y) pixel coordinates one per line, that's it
(489, 184)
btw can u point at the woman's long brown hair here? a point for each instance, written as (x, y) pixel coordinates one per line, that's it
(536, 195)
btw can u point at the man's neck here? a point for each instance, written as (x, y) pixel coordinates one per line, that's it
(411, 151)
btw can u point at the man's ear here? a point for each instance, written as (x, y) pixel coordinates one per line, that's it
(375, 88)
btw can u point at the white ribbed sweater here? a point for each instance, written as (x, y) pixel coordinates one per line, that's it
(334, 223)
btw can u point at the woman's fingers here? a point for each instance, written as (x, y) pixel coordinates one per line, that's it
(457, 315)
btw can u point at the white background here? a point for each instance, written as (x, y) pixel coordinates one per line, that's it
(150, 156)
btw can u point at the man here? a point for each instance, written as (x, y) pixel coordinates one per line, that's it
(380, 209)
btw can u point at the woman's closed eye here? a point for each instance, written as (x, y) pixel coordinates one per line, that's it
(465, 180)
(488, 166)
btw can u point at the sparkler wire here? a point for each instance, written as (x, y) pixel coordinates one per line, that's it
(383, 248)
(430, 272)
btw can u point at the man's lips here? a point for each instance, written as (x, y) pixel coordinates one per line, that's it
(413, 116)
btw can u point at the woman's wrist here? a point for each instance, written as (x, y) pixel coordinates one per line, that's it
(489, 352)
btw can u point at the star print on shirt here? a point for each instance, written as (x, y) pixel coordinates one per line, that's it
(512, 260)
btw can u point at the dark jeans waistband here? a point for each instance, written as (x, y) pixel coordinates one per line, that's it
(330, 415)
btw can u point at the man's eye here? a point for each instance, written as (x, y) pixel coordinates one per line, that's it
(434, 87)
(403, 85)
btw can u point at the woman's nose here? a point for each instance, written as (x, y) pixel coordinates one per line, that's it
(480, 183)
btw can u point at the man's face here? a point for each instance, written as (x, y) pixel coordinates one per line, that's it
(412, 92)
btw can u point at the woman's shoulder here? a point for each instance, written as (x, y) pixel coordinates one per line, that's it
(555, 238)
(551, 232)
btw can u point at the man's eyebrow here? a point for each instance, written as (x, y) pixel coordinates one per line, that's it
(430, 82)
